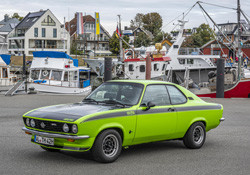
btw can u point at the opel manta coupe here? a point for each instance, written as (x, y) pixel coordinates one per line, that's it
(120, 113)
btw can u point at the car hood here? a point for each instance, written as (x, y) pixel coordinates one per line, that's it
(68, 112)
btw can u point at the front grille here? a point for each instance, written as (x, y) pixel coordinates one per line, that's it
(49, 126)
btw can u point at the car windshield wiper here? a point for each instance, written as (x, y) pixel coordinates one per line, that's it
(113, 102)
(90, 100)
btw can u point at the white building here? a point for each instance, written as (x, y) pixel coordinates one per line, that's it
(38, 31)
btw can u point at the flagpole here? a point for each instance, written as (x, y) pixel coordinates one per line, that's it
(120, 41)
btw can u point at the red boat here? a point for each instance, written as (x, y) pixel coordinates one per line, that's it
(240, 90)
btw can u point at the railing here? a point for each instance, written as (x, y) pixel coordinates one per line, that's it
(70, 84)
(189, 51)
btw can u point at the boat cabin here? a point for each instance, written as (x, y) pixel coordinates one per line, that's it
(58, 69)
(6, 78)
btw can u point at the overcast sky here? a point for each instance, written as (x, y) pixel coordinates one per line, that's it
(109, 9)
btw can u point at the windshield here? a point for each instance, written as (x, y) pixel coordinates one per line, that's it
(124, 93)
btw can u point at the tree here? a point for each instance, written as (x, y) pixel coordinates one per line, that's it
(205, 32)
(15, 15)
(137, 22)
(152, 22)
(161, 36)
(142, 40)
(114, 44)
(203, 35)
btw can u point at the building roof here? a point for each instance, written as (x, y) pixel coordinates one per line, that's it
(30, 19)
(148, 33)
(8, 24)
(86, 18)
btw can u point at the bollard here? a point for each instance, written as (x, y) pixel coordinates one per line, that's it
(148, 68)
(220, 78)
(107, 69)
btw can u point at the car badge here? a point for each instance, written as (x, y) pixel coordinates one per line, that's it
(53, 124)
(43, 125)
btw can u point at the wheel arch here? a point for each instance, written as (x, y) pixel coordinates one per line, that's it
(116, 126)
(199, 119)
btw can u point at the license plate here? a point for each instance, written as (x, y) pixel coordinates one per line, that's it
(44, 140)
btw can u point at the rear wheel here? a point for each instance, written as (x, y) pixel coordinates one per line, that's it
(195, 136)
(107, 146)
(50, 150)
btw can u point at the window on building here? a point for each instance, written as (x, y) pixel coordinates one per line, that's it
(43, 32)
(5, 73)
(54, 33)
(35, 32)
(52, 44)
(48, 21)
(216, 52)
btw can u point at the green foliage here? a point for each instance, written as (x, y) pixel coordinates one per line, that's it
(142, 40)
(114, 44)
(73, 49)
(203, 35)
(137, 21)
(161, 36)
(16, 15)
(152, 22)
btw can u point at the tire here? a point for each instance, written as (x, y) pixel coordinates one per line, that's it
(107, 146)
(195, 136)
(50, 150)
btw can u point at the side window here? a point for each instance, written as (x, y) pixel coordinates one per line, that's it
(156, 66)
(131, 67)
(176, 96)
(157, 94)
(142, 68)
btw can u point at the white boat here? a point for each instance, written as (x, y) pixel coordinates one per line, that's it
(6, 78)
(57, 72)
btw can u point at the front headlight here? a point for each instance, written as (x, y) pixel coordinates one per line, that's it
(65, 128)
(74, 129)
(32, 123)
(27, 121)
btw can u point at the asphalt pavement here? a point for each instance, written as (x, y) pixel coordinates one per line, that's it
(226, 150)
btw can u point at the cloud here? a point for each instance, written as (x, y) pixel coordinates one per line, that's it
(127, 9)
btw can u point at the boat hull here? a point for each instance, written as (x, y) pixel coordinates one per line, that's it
(59, 89)
(240, 90)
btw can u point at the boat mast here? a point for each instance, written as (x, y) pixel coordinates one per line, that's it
(239, 41)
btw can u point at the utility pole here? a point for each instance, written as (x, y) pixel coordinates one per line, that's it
(239, 41)
(120, 40)
(64, 35)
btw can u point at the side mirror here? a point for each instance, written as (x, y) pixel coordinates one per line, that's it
(148, 105)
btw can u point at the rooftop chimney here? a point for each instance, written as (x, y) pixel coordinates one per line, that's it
(6, 18)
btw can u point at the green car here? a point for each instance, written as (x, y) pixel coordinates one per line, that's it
(121, 113)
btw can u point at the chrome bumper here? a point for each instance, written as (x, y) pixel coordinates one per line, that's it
(46, 134)
(222, 119)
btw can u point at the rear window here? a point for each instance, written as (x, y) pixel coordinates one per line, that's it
(176, 96)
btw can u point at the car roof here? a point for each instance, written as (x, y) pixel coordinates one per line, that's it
(145, 82)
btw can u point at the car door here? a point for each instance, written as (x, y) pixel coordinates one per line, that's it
(158, 122)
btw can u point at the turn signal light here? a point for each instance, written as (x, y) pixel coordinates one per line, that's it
(71, 140)
(27, 133)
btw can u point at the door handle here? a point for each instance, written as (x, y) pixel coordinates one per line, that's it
(171, 109)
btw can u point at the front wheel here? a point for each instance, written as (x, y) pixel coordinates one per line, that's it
(107, 146)
(195, 136)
